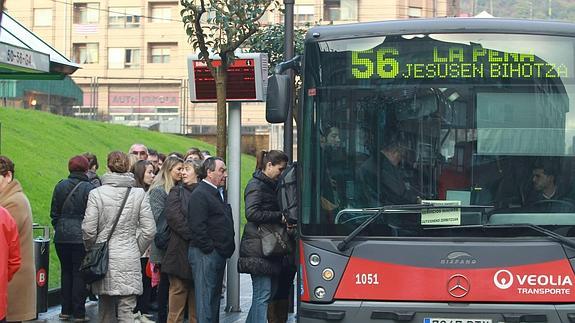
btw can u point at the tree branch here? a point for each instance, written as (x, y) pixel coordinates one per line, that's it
(201, 37)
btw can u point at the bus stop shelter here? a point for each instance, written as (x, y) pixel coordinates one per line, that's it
(23, 55)
(33, 75)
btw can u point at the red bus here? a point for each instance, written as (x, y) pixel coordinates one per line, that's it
(437, 172)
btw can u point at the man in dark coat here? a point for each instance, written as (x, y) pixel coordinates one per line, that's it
(212, 243)
(67, 212)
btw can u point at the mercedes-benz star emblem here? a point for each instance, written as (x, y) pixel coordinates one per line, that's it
(458, 286)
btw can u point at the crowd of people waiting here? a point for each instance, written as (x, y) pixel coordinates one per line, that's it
(142, 198)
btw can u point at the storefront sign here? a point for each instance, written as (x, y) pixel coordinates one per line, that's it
(144, 99)
(24, 58)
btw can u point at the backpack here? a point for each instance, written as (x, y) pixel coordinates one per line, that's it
(287, 192)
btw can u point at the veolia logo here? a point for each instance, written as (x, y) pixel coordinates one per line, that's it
(503, 279)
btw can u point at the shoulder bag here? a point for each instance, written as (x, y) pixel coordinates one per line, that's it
(95, 264)
(69, 195)
(275, 239)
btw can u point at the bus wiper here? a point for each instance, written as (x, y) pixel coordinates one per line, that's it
(395, 209)
(555, 236)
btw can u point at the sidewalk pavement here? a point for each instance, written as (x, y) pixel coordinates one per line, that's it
(237, 317)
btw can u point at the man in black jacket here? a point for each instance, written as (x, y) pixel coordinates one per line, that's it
(212, 227)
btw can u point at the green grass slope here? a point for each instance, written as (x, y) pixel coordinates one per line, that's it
(40, 145)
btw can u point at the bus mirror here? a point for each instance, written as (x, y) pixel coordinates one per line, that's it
(278, 98)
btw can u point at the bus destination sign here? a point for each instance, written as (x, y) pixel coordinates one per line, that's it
(453, 62)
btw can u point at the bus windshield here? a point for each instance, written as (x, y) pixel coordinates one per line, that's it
(449, 119)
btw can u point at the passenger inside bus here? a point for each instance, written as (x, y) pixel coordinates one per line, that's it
(381, 180)
(330, 143)
(548, 194)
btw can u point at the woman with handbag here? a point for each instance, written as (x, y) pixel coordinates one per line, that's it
(67, 212)
(119, 214)
(257, 255)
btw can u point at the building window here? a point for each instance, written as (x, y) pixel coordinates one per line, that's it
(161, 12)
(120, 58)
(42, 17)
(86, 13)
(86, 53)
(304, 14)
(340, 10)
(414, 12)
(160, 52)
(124, 17)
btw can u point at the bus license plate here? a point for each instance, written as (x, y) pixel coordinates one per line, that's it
(455, 320)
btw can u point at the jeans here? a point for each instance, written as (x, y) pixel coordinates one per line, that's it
(208, 272)
(73, 289)
(261, 295)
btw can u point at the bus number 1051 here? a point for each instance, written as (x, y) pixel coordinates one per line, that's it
(366, 279)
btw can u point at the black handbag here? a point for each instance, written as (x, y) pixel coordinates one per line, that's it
(95, 264)
(275, 239)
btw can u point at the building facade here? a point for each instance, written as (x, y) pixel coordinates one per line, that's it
(133, 53)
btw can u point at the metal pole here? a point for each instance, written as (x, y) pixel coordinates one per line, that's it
(97, 96)
(288, 54)
(1, 11)
(234, 195)
(491, 8)
(288, 125)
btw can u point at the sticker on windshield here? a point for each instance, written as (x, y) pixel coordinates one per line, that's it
(441, 216)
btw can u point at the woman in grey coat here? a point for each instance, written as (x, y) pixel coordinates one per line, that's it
(169, 175)
(133, 234)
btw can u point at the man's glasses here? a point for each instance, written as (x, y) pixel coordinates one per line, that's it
(138, 153)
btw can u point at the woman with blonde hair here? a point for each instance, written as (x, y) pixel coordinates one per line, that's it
(169, 175)
(119, 208)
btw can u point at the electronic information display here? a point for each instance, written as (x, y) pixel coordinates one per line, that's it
(247, 78)
(451, 61)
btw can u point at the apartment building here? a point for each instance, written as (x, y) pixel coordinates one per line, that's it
(133, 53)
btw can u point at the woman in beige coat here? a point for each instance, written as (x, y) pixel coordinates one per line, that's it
(22, 288)
(133, 234)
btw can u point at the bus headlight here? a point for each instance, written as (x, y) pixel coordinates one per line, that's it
(327, 274)
(314, 259)
(319, 292)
